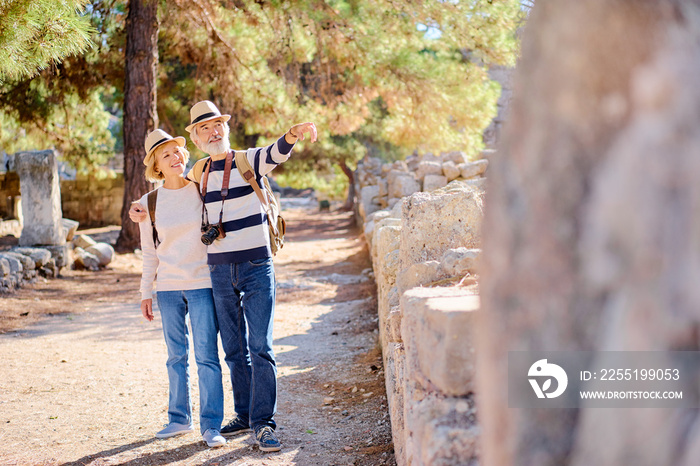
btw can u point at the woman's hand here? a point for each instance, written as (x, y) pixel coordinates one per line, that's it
(147, 309)
(297, 131)
(137, 213)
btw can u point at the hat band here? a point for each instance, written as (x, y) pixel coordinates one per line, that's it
(203, 116)
(159, 142)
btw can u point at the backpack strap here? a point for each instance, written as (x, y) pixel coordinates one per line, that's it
(246, 171)
(152, 198)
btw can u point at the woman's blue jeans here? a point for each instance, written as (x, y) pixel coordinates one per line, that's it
(174, 307)
(244, 294)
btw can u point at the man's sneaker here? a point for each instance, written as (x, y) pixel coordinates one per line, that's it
(213, 438)
(173, 429)
(237, 426)
(267, 440)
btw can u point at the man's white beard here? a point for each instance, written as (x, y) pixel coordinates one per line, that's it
(219, 147)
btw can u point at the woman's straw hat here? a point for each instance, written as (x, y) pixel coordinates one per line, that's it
(157, 138)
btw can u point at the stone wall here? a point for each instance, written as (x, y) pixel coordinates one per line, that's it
(422, 221)
(91, 201)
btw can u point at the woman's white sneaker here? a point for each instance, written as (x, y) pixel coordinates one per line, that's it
(213, 438)
(173, 429)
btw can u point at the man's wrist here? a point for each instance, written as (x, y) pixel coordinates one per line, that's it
(290, 137)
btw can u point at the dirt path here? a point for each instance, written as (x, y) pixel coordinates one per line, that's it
(85, 382)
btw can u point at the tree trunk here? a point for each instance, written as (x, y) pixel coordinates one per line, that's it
(590, 235)
(350, 200)
(140, 115)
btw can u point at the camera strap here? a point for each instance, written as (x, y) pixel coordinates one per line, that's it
(224, 189)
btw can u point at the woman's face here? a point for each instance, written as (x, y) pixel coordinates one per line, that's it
(170, 159)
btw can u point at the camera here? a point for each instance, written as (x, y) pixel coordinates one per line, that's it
(210, 233)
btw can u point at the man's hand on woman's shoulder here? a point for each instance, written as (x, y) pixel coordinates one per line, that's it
(137, 213)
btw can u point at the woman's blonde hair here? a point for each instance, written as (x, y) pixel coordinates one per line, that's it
(152, 173)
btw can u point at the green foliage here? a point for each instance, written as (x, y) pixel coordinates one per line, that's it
(73, 106)
(365, 71)
(373, 82)
(37, 33)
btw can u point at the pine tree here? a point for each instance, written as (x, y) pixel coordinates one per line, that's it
(35, 34)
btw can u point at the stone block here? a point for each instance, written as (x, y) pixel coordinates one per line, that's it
(450, 170)
(85, 260)
(460, 261)
(401, 185)
(394, 360)
(83, 241)
(59, 255)
(386, 239)
(369, 200)
(14, 263)
(103, 251)
(437, 328)
(4, 267)
(432, 223)
(454, 157)
(70, 227)
(393, 325)
(419, 274)
(40, 256)
(383, 188)
(428, 168)
(433, 182)
(478, 183)
(470, 170)
(41, 198)
(443, 431)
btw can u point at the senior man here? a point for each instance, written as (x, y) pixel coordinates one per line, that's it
(240, 264)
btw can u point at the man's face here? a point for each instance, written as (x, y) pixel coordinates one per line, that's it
(213, 136)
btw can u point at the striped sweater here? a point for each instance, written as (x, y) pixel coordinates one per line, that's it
(244, 220)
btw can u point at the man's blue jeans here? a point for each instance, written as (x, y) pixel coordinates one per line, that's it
(244, 294)
(174, 307)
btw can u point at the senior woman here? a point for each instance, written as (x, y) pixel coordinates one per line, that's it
(176, 260)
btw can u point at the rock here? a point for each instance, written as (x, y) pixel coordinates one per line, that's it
(455, 221)
(419, 274)
(460, 261)
(470, 170)
(103, 251)
(369, 200)
(4, 267)
(433, 182)
(437, 328)
(84, 241)
(14, 263)
(454, 157)
(450, 171)
(393, 325)
(40, 256)
(328, 400)
(70, 227)
(428, 168)
(479, 183)
(401, 184)
(85, 260)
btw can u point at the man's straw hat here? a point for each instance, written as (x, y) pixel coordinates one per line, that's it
(204, 111)
(158, 138)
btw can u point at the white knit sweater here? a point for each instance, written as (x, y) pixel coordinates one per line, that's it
(180, 261)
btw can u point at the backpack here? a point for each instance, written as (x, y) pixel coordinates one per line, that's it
(277, 226)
